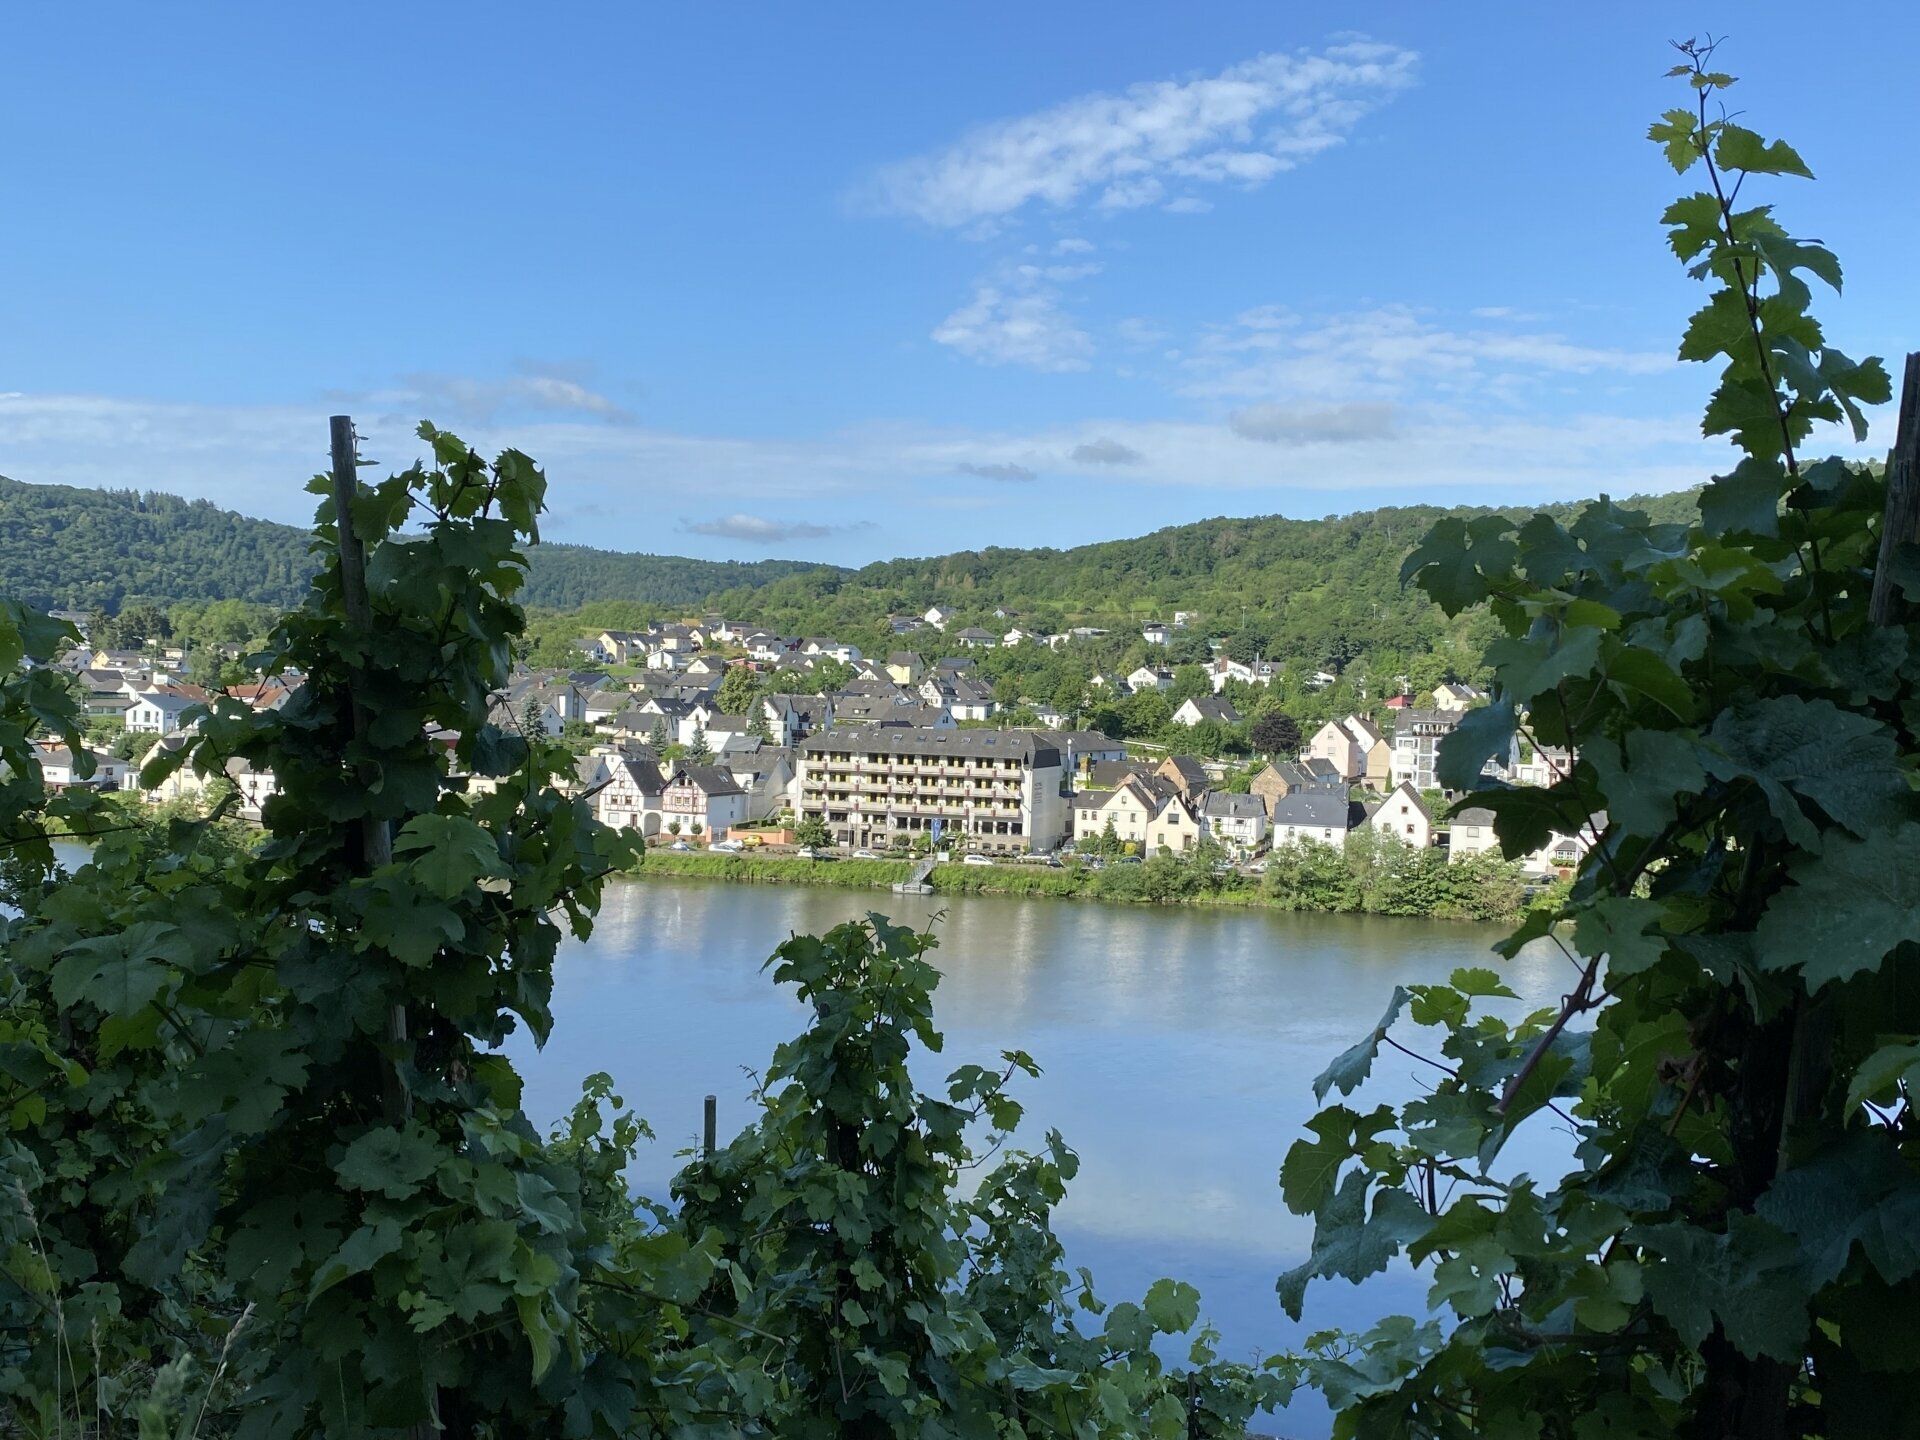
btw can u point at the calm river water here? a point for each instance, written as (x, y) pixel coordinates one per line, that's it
(1178, 1049)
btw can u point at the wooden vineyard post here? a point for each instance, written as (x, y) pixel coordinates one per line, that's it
(376, 840)
(1900, 524)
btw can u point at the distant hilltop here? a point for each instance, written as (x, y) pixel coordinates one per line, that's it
(67, 548)
(62, 547)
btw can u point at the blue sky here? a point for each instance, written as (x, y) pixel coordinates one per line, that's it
(854, 281)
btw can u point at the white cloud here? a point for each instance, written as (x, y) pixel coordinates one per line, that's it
(1188, 205)
(1105, 451)
(1073, 245)
(757, 529)
(537, 390)
(1004, 470)
(1269, 353)
(1242, 126)
(1005, 327)
(1301, 425)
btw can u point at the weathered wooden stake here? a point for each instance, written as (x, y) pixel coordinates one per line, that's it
(712, 1127)
(376, 841)
(1900, 522)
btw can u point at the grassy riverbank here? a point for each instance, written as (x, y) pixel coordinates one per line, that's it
(1365, 879)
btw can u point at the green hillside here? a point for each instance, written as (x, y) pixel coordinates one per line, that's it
(67, 548)
(567, 576)
(62, 547)
(1324, 590)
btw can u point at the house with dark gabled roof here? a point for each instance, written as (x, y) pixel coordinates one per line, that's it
(974, 638)
(1205, 707)
(702, 795)
(1186, 773)
(1237, 821)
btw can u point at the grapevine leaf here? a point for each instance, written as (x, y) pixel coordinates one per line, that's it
(1346, 1242)
(1172, 1305)
(361, 1251)
(1748, 1279)
(1352, 1065)
(1535, 665)
(1693, 224)
(1642, 672)
(1719, 327)
(1455, 560)
(1738, 148)
(452, 852)
(121, 974)
(1746, 502)
(1482, 735)
(1848, 908)
(1307, 1174)
(1896, 1061)
(1674, 133)
(1858, 1191)
(1795, 749)
(1618, 927)
(389, 1161)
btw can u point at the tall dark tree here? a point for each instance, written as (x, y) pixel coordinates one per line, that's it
(1276, 733)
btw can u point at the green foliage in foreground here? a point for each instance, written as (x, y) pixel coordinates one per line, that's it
(1733, 1252)
(266, 1174)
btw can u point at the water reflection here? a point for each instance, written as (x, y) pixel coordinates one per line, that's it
(1178, 1050)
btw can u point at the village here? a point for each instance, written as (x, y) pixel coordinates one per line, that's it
(701, 734)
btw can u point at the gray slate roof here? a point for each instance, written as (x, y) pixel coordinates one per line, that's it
(1316, 809)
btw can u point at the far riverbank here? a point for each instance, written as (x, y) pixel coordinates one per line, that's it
(1370, 882)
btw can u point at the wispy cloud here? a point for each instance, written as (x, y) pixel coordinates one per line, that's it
(1271, 353)
(1105, 451)
(997, 470)
(537, 390)
(759, 530)
(1305, 425)
(1124, 150)
(1007, 326)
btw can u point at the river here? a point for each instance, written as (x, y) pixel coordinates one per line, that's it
(1178, 1049)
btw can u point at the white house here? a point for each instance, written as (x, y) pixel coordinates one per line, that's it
(765, 773)
(938, 616)
(158, 711)
(627, 791)
(1131, 807)
(1016, 636)
(1312, 815)
(1449, 696)
(1470, 833)
(1205, 707)
(975, 638)
(1402, 814)
(59, 768)
(1238, 822)
(703, 795)
(1154, 633)
(1149, 678)
(256, 786)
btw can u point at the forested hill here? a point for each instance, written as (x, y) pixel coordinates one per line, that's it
(567, 576)
(1329, 587)
(62, 547)
(68, 548)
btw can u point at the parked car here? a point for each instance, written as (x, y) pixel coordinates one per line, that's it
(807, 852)
(728, 847)
(679, 845)
(975, 860)
(864, 854)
